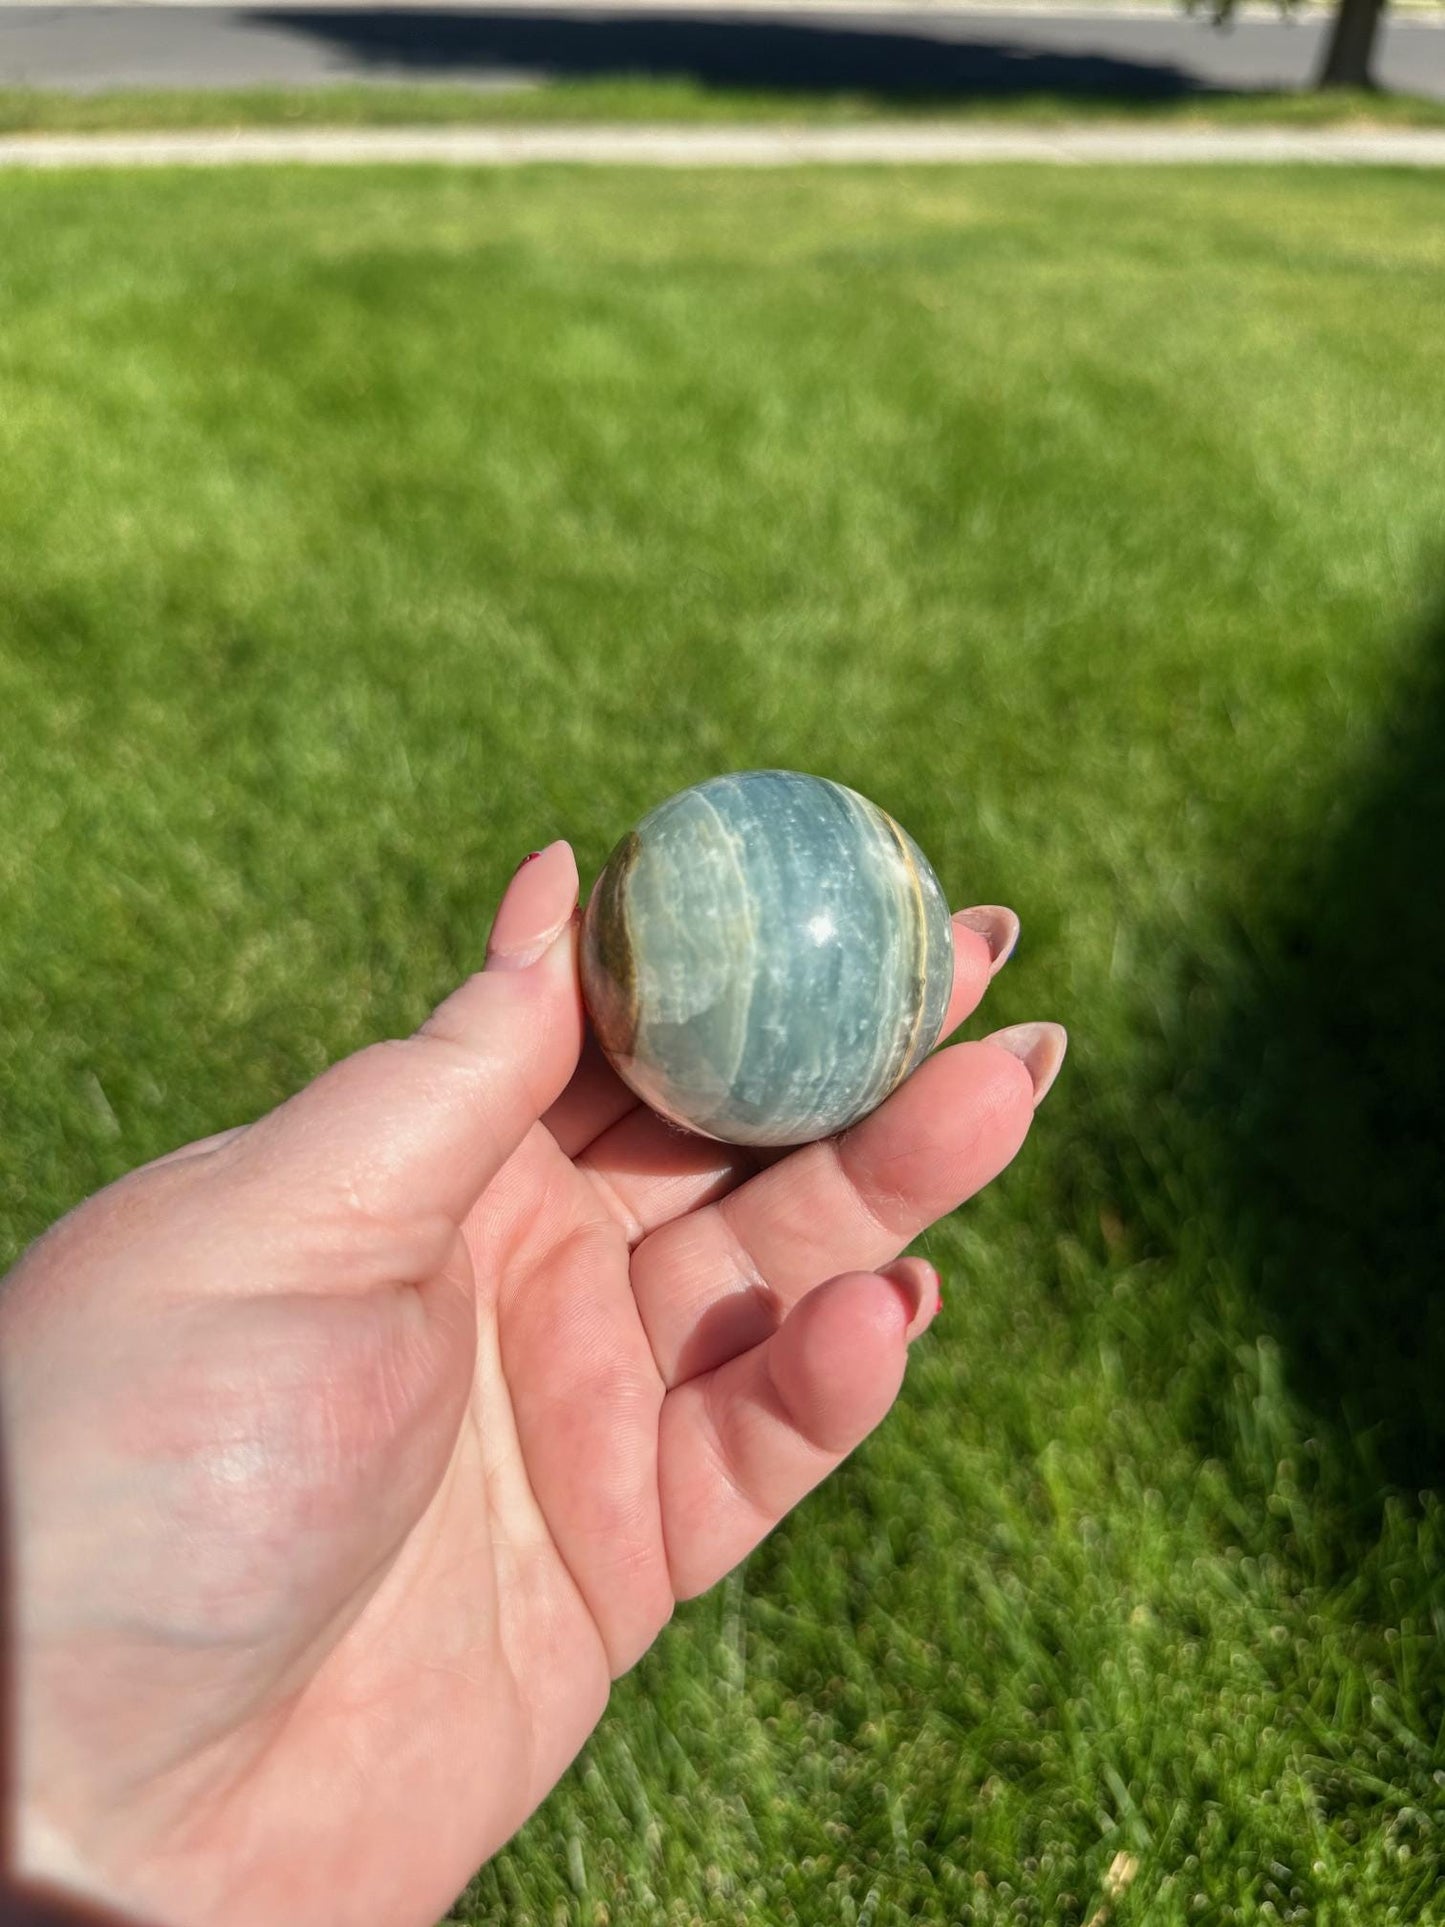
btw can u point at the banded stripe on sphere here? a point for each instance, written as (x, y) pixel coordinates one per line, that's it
(766, 956)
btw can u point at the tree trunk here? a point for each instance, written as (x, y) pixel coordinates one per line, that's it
(1352, 44)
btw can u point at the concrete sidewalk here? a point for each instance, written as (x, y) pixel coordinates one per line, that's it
(732, 147)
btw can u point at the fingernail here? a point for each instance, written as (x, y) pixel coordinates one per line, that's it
(536, 908)
(918, 1281)
(999, 928)
(1041, 1048)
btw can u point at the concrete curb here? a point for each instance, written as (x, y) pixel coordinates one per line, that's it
(880, 145)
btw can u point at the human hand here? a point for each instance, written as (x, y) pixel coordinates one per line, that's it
(352, 1454)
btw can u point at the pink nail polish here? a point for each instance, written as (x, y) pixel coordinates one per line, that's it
(904, 1272)
(536, 908)
(1040, 1047)
(999, 928)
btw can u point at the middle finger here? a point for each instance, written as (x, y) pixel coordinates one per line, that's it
(648, 1172)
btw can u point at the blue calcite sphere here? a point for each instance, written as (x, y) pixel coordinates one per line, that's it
(765, 957)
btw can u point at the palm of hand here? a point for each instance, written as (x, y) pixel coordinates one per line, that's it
(447, 1454)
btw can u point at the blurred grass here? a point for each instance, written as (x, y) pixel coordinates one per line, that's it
(380, 104)
(358, 533)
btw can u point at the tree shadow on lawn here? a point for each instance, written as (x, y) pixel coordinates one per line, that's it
(901, 65)
(1319, 1100)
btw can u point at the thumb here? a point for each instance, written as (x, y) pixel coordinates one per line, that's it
(419, 1127)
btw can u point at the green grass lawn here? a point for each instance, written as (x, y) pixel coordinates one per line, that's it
(359, 533)
(34, 110)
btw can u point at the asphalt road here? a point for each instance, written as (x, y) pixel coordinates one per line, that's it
(963, 54)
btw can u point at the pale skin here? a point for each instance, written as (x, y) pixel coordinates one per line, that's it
(352, 1454)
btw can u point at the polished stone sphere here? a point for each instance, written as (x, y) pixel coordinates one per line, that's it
(765, 957)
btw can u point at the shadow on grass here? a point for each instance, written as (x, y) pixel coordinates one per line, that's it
(908, 64)
(1324, 1095)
